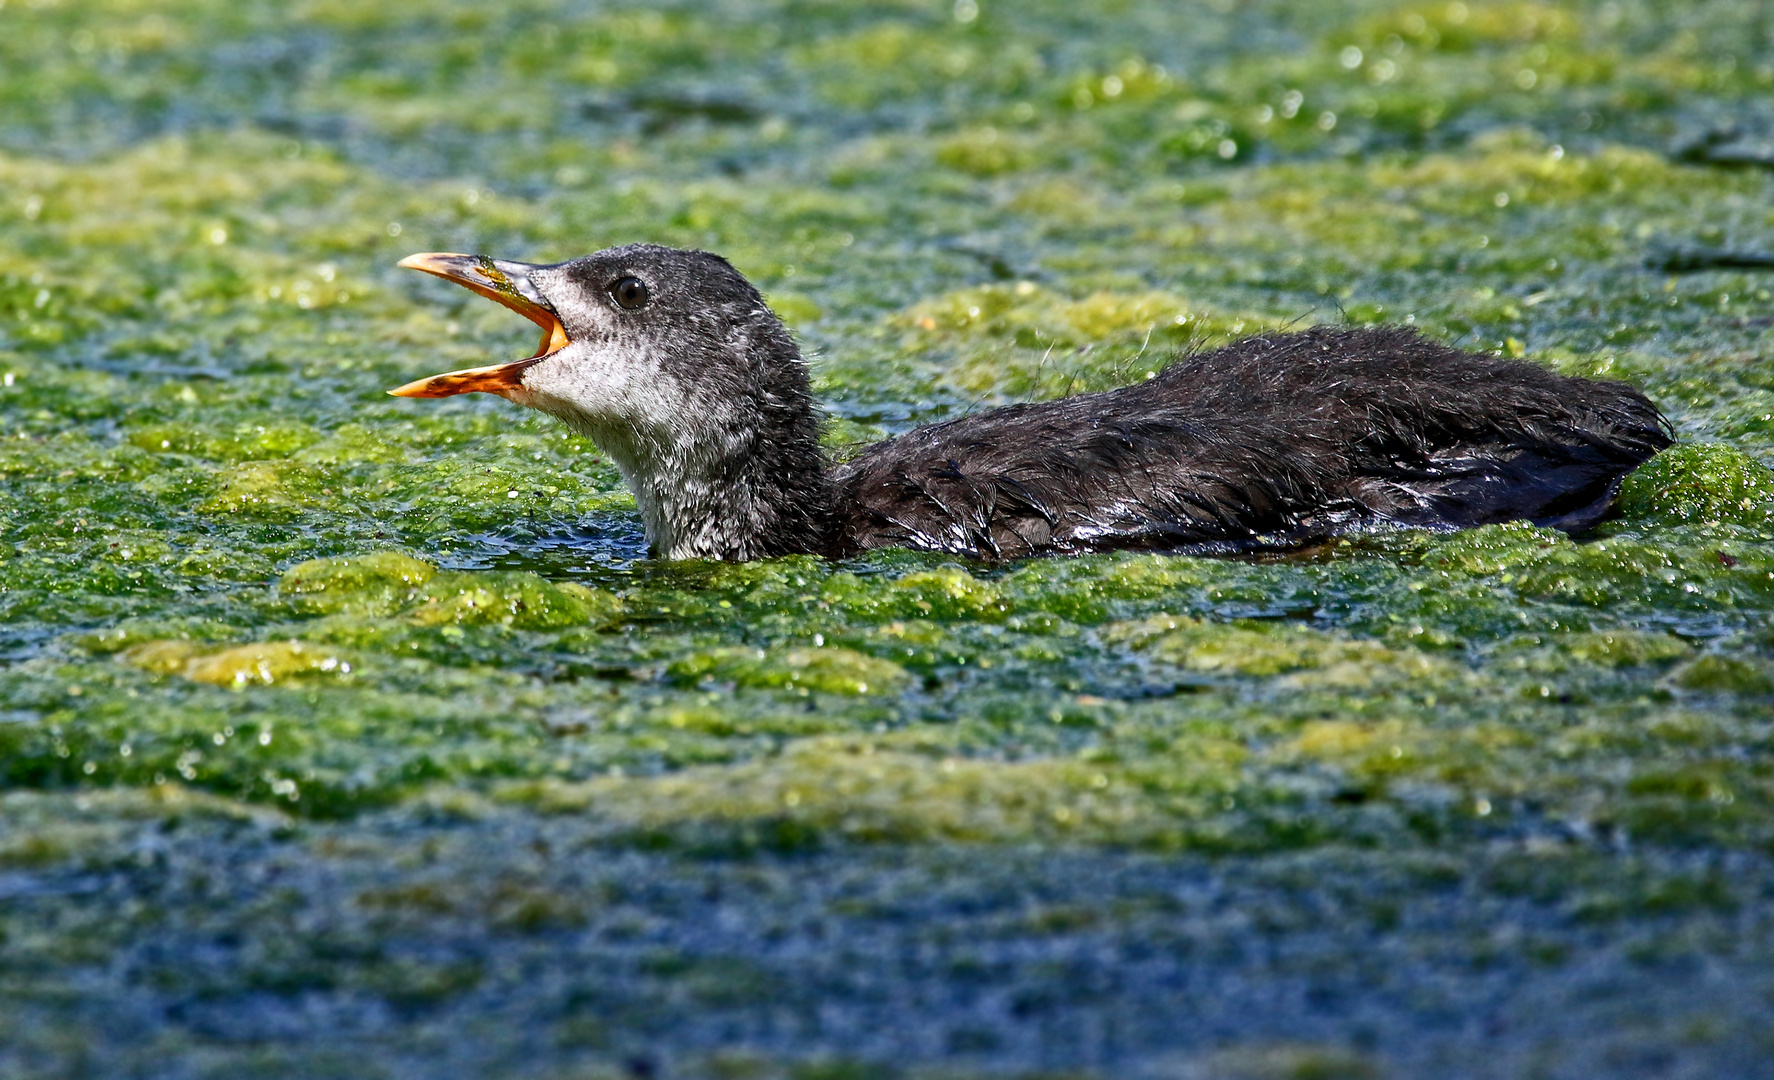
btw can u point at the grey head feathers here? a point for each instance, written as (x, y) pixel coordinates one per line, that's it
(699, 396)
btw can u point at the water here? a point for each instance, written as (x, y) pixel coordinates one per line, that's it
(493, 793)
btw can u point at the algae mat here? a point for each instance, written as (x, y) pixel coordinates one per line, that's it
(347, 736)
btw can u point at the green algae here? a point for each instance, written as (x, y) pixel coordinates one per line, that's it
(523, 600)
(242, 586)
(1727, 674)
(378, 582)
(1255, 650)
(1624, 648)
(245, 665)
(1701, 484)
(831, 670)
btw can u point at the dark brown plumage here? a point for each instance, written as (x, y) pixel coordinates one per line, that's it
(1275, 440)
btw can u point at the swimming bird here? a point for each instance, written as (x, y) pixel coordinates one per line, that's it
(674, 366)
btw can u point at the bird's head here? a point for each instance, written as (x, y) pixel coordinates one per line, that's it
(669, 360)
(637, 335)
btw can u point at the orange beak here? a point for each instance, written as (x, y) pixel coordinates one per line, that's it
(507, 283)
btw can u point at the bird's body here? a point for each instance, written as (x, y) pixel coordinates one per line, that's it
(1275, 440)
(700, 396)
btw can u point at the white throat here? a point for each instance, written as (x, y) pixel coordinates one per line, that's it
(676, 452)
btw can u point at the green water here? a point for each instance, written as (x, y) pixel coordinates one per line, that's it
(345, 735)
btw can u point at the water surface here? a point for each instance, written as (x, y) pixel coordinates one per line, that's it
(351, 736)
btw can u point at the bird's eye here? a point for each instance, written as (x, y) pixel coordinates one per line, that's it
(630, 292)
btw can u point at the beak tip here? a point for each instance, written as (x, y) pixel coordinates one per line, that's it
(442, 263)
(496, 283)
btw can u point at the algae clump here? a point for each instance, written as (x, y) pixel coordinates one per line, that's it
(389, 582)
(1700, 483)
(1624, 648)
(830, 670)
(1727, 675)
(519, 599)
(259, 664)
(275, 490)
(378, 583)
(1198, 645)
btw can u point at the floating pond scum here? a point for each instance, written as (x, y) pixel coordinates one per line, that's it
(347, 736)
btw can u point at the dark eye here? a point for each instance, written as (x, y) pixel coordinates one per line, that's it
(630, 292)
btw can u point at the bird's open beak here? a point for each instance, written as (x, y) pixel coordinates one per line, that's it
(506, 283)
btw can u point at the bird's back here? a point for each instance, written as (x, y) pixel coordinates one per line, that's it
(1275, 440)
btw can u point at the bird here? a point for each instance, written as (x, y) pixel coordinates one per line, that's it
(674, 366)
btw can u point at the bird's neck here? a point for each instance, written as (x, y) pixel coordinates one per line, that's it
(740, 496)
(721, 468)
(719, 439)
